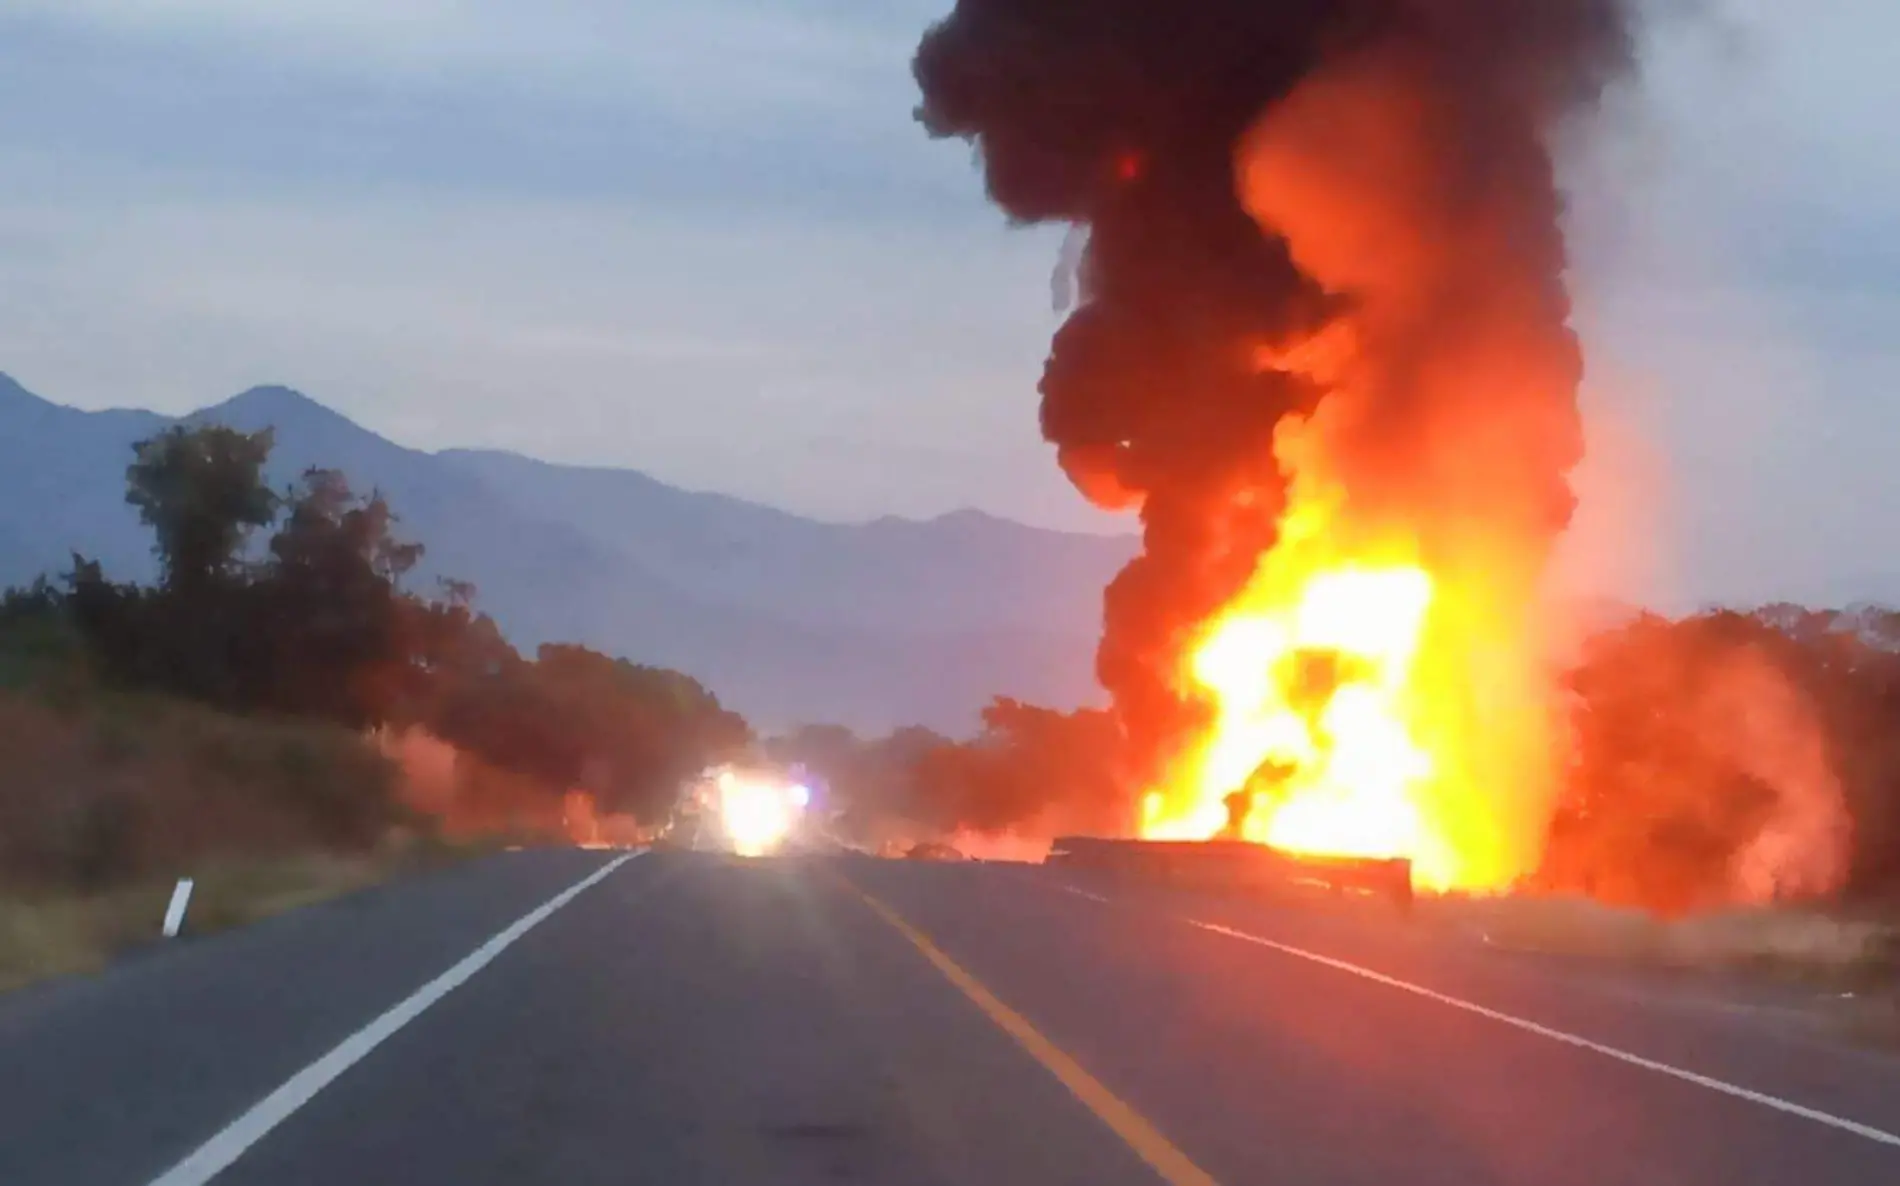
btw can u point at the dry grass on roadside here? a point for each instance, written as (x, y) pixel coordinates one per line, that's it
(65, 934)
(42, 936)
(234, 894)
(1782, 941)
(122, 789)
(59, 936)
(106, 800)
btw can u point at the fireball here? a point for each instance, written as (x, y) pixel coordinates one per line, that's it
(757, 815)
(1309, 691)
(1358, 704)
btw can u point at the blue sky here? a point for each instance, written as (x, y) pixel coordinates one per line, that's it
(706, 240)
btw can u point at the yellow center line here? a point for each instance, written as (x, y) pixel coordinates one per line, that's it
(1135, 1130)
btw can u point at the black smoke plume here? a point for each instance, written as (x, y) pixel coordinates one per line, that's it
(1132, 119)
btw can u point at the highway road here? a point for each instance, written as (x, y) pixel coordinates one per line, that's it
(684, 1018)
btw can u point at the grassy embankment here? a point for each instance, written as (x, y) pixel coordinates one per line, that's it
(105, 800)
(53, 933)
(1849, 957)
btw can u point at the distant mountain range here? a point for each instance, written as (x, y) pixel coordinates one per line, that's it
(790, 620)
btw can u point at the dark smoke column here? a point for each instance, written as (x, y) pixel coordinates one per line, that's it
(1126, 117)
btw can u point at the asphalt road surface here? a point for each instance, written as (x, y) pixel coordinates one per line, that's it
(682, 1018)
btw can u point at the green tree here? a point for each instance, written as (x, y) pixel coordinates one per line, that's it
(202, 492)
(572, 718)
(630, 733)
(343, 644)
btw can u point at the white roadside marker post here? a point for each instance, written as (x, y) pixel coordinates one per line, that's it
(175, 913)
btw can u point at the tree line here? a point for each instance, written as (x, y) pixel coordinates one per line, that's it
(294, 605)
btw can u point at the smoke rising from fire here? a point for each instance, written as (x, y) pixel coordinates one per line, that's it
(1323, 244)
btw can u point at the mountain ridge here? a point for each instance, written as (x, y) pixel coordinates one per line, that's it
(875, 624)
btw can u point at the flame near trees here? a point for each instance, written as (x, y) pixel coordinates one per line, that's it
(1362, 704)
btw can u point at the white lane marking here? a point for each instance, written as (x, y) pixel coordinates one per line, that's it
(212, 1157)
(1082, 893)
(1569, 1039)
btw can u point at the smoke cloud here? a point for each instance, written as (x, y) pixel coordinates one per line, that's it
(1319, 234)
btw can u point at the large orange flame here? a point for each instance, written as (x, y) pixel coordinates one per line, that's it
(1362, 703)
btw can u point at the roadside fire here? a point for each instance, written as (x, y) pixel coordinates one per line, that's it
(1344, 717)
(1309, 682)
